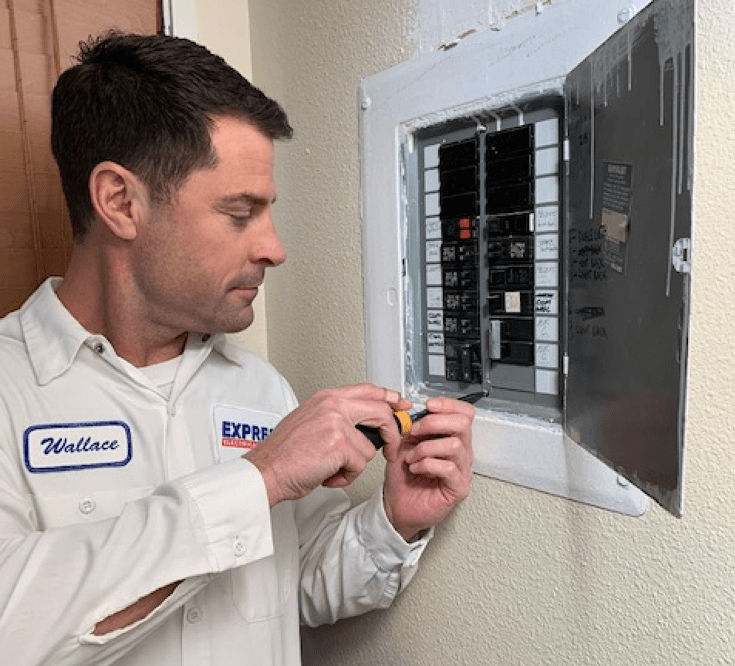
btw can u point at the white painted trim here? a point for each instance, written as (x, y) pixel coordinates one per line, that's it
(183, 18)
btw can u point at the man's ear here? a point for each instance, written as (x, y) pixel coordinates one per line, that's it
(119, 198)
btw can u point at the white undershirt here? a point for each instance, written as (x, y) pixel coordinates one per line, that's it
(162, 375)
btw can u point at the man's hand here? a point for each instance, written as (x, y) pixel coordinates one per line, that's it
(430, 471)
(318, 444)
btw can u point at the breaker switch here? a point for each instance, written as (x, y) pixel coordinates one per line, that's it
(510, 249)
(520, 277)
(462, 229)
(459, 181)
(519, 330)
(465, 325)
(461, 301)
(468, 253)
(509, 142)
(511, 341)
(457, 155)
(464, 363)
(459, 205)
(455, 278)
(464, 253)
(510, 302)
(506, 225)
(459, 187)
(515, 169)
(510, 198)
(518, 353)
(509, 166)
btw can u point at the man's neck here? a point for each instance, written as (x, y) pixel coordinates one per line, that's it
(100, 299)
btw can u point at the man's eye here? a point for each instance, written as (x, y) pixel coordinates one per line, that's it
(240, 220)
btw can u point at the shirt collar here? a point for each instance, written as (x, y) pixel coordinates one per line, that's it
(52, 335)
(232, 352)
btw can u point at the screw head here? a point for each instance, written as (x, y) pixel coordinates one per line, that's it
(624, 15)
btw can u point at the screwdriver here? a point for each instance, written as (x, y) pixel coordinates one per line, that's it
(405, 420)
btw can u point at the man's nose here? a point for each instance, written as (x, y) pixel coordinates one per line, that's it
(268, 247)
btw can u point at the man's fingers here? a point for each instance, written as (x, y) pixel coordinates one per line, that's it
(446, 405)
(367, 391)
(438, 468)
(341, 479)
(447, 424)
(368, 405)
(448, 448)
(318, 444)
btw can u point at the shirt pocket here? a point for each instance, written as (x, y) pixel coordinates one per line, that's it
(262, 589)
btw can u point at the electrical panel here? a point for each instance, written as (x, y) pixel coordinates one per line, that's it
(543, 242)
(490, 196)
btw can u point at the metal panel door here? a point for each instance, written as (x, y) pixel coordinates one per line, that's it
(630, 122)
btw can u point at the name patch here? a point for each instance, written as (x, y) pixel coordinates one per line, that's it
(239, 429)
(63, 447)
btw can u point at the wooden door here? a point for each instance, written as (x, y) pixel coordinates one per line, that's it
(38, 39)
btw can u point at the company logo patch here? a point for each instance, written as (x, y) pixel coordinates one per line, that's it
(243, 435)
(239, 429)
(63, 447)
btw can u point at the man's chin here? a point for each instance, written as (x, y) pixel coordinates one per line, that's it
(237, 323)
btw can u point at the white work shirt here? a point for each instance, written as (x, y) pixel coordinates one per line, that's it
(111, 488)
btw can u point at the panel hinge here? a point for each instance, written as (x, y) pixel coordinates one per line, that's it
(681, 255)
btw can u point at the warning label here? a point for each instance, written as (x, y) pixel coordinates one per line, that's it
(615, 219)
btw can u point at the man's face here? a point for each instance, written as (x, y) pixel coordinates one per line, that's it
(201, 257)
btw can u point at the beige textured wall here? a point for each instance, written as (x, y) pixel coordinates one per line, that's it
(517, 577)
(310, 56)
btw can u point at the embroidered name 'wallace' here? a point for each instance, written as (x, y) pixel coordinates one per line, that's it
(71, 446)
(62, 445)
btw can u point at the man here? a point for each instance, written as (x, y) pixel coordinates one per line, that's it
(137, 526)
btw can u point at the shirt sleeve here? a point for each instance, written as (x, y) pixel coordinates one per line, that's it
(187, 530)
(352, 560)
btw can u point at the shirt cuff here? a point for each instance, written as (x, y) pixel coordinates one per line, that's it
(232, 513)
(388, 549)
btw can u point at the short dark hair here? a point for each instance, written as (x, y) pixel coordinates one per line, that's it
(148, 103)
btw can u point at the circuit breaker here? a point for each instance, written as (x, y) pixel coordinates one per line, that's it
(490, 214)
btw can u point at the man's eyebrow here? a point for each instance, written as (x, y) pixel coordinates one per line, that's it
(245, 198)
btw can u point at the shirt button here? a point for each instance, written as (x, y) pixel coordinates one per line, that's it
(99, 347)
(193, 615)
(87, 505)
(238, 548)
